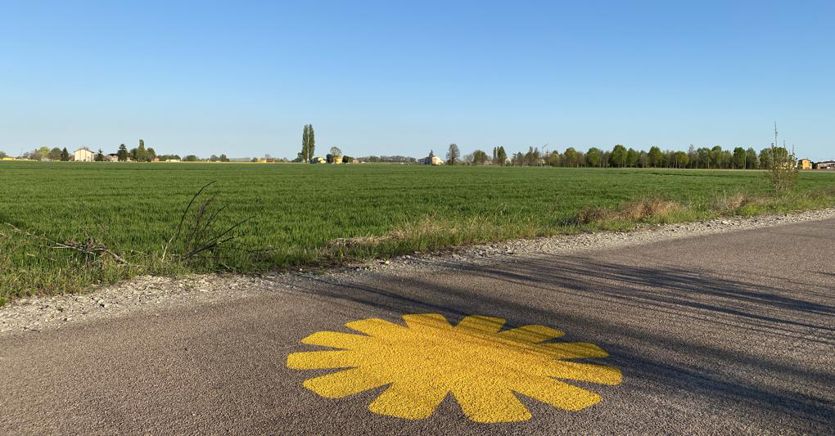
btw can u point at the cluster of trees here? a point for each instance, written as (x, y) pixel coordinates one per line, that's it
(336, 155)
(221, 158)
(622, 157)
(309, 149)
(45, 153)
(138, 154)
(478, 157)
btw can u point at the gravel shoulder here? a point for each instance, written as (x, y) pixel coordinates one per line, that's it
(153, 295)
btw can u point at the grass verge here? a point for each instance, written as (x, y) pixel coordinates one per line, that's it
(433, 234)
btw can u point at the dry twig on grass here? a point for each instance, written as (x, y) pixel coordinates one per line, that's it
(90, 248)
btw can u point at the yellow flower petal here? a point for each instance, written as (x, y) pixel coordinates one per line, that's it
(490, 404)
(426, 321)
(556, 393)
(344, 341)
(343, 383)
(532, 334)
(480, 324)
(589, 372)
(374, 327)
(415, 400)
(574, 350)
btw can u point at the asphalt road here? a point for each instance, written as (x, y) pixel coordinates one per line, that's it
(730, 333)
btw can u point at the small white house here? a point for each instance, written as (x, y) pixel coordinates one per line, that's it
(84, 154)
(431, 160)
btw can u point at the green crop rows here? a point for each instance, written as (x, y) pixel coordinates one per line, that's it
(295, 212)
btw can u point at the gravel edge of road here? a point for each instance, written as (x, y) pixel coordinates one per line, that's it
(154, 294)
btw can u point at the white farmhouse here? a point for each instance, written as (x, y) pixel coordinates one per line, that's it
(431, 160)
(84, 154)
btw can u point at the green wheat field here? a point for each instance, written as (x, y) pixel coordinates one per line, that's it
(66, 226)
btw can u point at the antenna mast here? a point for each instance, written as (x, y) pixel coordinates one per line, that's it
(774, 144)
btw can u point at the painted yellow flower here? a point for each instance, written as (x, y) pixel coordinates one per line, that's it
(482, 366)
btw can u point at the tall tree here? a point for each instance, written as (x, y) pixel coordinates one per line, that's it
(570, 157)
(532, 157)
(716, 156)
(632, 157)
(311, 142)
(692, 156)
(680, 159)
(739, 158)
(594, 157)
(655, 157)
(65, 155)
(501, 156)
(54, 154)
(453, 155)
(479, 157)
(305, 153)
(122, 153)
(618, 156)
(99, 156)
(308, 143)
(751, 161)
(40, 153)
(703, 157)
(552, 159)
(141, 152)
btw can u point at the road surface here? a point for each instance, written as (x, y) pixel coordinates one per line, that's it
(730, 333)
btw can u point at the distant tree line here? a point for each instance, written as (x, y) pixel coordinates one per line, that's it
(388, 159)
(621, 157)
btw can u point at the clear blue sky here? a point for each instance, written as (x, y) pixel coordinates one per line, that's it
(397, 77)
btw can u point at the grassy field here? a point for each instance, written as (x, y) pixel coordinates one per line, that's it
(125, 214)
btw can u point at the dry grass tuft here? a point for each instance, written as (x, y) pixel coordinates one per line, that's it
(730, 202)
(357, 242)
(429, 227)
(429, 233)
(637, 211)
(645, 209)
